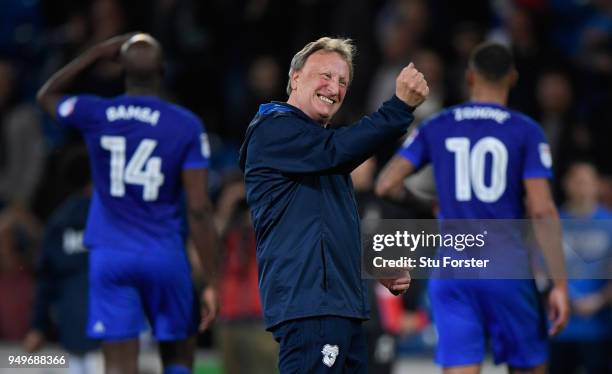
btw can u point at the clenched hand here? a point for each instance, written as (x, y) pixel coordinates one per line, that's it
(411, 86)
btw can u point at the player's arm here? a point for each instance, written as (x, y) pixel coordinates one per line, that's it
(51, 92)
(390, 182)
(547, 227)
(202, 232)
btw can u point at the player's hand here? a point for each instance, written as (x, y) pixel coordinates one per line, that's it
(109, 49)
(210, 307)
(397, 286)
(33, 341)
(558, 309)
(411, 86)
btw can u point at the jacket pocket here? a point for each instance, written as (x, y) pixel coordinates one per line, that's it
(324, 263)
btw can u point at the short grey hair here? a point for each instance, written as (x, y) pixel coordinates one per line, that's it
(343, 47)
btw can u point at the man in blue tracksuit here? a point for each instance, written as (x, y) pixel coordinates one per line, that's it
(303, 209)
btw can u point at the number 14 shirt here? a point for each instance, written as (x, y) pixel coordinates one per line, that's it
(138, 147)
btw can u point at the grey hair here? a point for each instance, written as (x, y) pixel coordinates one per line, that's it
(344, 47)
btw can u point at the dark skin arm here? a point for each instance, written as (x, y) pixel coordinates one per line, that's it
(57, 86)
(202, 232)
(547, 227)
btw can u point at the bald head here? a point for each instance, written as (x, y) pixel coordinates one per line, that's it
(142, 59)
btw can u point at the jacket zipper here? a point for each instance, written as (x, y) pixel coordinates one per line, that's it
(324, 267)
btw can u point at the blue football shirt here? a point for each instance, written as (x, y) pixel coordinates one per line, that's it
(481, 153)
(138, 147)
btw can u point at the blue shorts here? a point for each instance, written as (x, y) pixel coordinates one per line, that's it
(325, 344)
(508, 312)
(126, 287)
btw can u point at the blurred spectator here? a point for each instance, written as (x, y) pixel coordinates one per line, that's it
(106, 19)
(246, 347)
(465, 37)
(401, 26)
(519, 31)
(264, 82)
(586, 342)
(400, 29)
(432, 67)
(596, 38)
(17, 244)
(567, 134)
(577, 24)
(62, 285)
(21, 144)
(20, 24)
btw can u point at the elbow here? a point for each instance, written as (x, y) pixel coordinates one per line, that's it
(543, 211)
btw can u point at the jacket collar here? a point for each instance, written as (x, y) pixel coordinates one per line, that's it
(282, 107)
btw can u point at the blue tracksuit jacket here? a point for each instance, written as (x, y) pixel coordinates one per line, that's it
(303, 208)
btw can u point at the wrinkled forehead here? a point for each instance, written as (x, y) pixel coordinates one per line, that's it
(328, 60)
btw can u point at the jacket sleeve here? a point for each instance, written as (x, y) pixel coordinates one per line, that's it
(292, 145)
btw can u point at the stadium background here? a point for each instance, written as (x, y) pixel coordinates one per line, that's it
(224, 58)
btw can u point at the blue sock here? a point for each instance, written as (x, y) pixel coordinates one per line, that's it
(176, 369)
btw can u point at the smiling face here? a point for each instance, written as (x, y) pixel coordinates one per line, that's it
(318, 89)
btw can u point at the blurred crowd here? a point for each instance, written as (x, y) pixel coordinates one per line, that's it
(225, 57)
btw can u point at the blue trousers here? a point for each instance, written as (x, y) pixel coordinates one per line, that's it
(325, 344)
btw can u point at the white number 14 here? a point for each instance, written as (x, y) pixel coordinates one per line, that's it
(141, 169)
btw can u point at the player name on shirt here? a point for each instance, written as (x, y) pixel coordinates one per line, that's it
(479, 112)
(142, 114)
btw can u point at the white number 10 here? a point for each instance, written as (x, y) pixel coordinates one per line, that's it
(141, 169)
(470, 168)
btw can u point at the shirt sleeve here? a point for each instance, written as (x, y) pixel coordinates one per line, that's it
(538, 159)
(291, 144)
(415, 148)
(80, 111)
(198, 148)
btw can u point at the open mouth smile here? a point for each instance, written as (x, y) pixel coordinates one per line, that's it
(326, 99)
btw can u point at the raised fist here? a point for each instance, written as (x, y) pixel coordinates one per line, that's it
(411, 86)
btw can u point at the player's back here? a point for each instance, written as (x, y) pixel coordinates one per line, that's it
(481, 153)
(139, 146)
